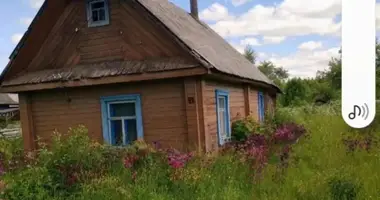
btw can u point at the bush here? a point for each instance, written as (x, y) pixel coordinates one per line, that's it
(61, 169)
(242, 128)
(33, 184)
(341, 189)
(11, 154)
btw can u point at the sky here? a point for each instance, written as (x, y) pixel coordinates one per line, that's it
(299, 35)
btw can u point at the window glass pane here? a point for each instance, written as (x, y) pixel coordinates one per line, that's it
(222, 123)
(97, 5)
(117, 131)
(131, 130)
(95, 16)
(102, 15)
(122, 109)
(221, 102)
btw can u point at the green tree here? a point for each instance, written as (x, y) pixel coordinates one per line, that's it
(276, 74)
(295, 92)
(250, 54)
(333, 75)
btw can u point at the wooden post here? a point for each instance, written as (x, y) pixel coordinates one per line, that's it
(26, 118)
(247, 100)
(192, 118)
(201, 115)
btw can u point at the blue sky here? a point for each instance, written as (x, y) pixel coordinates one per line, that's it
(300, 35)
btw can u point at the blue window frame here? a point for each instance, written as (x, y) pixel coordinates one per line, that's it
(223, 116)
(261, 106)
(97, 13)
(121, 119)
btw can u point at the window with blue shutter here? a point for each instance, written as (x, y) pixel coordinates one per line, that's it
(121, 119)
(261, 106)
(223, 116)
(97, 13)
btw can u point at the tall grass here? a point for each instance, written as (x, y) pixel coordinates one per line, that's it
(321, 165)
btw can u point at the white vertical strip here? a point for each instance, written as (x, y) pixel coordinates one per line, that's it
(358, 62)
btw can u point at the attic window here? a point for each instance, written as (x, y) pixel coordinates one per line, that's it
(97, 13)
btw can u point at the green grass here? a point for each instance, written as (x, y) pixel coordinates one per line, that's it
(319, 168)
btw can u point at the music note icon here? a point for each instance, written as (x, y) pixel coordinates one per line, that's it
(363, 112)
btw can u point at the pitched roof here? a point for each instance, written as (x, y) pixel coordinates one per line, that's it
(209, 47)
(204, 41)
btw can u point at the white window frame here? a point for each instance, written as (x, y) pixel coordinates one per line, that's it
(89, 13)
(227, 122)
(106, 103)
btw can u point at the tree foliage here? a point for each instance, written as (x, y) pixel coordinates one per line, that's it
(323, 88)
(294, 92)
(250, 54)
(277, 74)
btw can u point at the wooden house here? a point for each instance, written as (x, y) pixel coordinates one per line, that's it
(129, 70)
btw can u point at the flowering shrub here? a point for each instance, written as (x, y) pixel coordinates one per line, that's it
(177, 159)
(242, 128)
(73, 162)
(289, 132)
(130, 160)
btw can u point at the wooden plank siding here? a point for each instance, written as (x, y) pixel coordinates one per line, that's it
(193, 101)
(26, 117)
(237, 108)
(179, 113)
(163, 110)
(270, 103)
(254, 103)
(129, 36)
(243, 102)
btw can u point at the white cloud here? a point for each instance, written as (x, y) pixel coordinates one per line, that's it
(306, 63)
(215, 12)
(377, 14)
(250, 41)
(310, 45)
(36, 3)
(16, 38)
(26, 21)
(242, 44)
(263, 55)
(273, 39)
(286, 19)
(239, 2)
(325, 8)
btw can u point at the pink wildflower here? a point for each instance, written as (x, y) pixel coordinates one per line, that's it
(129, 161)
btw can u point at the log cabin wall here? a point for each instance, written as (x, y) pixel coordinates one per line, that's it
(243, 100)
(179, 113)
(162, 103)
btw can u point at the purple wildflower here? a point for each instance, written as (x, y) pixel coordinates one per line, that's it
(289, 132)
(177, 159)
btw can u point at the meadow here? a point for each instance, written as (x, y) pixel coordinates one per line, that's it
(303, 153)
